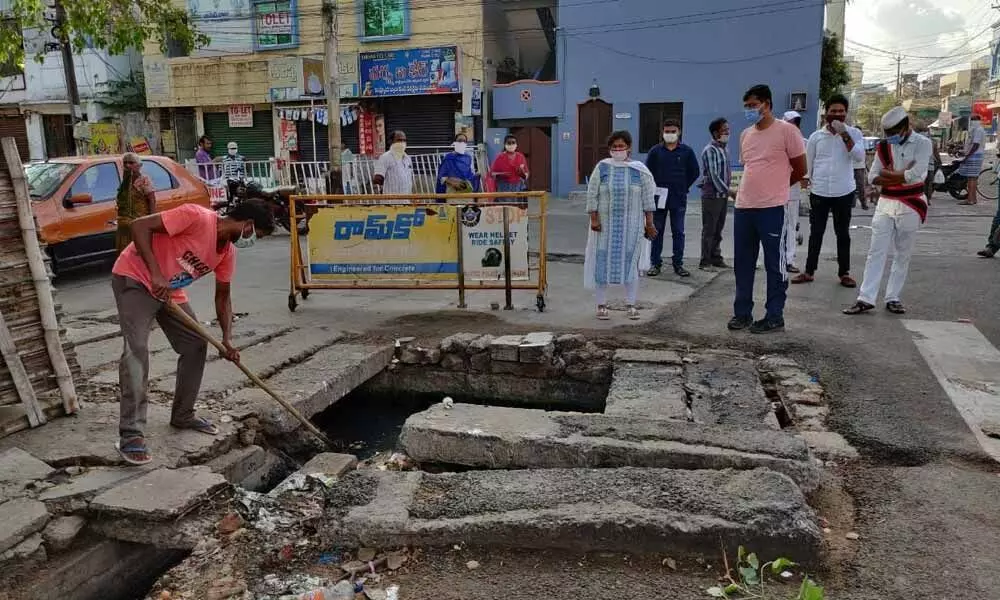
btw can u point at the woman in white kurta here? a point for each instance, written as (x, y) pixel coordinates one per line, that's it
(620, 202)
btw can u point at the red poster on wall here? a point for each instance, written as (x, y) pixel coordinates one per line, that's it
(366, 133)
(289, 136)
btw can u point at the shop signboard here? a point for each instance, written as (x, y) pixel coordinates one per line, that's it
(410, 72)
(482, 242)
(383, 242)
(275, 24)
(347, 74)
(240, 115)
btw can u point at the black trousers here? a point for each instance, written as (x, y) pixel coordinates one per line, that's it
(820, 208)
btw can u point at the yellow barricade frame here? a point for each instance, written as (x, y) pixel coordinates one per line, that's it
(299, 276)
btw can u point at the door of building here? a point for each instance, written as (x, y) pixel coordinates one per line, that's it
(536, 145)
(58, 136)
(594, 118)
(12, 124)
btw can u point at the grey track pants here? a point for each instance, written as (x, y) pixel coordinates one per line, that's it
(137, 309)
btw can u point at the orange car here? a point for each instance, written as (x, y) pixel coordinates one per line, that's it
(74, 202)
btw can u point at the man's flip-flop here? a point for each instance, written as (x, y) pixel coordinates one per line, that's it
(201, 425)
(858, 308)
(134, 452)
(895, 308)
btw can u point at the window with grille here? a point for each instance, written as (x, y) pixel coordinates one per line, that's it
(384, 20)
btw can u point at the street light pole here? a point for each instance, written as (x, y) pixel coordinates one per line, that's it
(332, 90)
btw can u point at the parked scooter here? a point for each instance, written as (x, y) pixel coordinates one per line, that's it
(954, 184)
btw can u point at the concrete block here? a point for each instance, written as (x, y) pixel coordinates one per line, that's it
(454, 362)
(418, 355)
(505, 348)
(314, 385)
(159, 495)
(76, 493)
(21, 518)
(726, 390)
(511, 438)
(60, 532)
(251, 467)
(663, 357)
(458, 343)
(829, 445)
(17, 469)
(481, 344)
(639, 511)
(570, 341)
(537, 348)
(30, 549)
(330, 463)
(651, 390)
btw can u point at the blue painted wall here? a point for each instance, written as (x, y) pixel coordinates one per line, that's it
(545, 100)
(705, 54)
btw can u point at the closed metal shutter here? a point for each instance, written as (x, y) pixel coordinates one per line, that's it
(256, 143)
(304, 129)
(15, 127)
(426, 120)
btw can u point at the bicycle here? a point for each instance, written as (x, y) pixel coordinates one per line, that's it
(988, 183)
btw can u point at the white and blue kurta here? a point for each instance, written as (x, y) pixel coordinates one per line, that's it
(621, 193)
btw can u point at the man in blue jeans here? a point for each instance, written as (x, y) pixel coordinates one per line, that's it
(675, 168)
(774, 159)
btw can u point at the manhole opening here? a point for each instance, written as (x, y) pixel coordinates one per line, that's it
(777, 404)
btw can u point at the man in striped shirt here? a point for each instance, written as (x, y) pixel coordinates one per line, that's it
(715, 194)
(394, 170)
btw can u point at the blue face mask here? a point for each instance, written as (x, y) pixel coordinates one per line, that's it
(895, 139)
(752, 115)
(246, 241)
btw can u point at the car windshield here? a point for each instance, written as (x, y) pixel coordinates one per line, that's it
(44, 178)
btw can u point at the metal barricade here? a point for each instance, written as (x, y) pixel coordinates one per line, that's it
(351, 236)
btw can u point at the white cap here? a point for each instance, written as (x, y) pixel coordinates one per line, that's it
(232, 146)
(893, 117)
(790, 116)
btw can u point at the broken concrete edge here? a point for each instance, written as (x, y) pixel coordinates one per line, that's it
(182, 534)
(376, 509)
(161, 494)
(22, 517)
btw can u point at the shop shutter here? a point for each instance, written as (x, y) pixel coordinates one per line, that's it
(348, 134)
(256, 143)
(426, 120)
(15, 127)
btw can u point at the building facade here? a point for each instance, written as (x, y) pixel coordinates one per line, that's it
(414, 65)
(630, 65)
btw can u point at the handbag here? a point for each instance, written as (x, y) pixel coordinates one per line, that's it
(938, 177)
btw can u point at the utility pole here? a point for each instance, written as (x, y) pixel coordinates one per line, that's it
(69, 70)
(332, 89)
(899, 77)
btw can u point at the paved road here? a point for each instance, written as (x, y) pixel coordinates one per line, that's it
(925, 493)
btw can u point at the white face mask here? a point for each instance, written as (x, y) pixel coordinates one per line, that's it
(619, 155)
(233, 152)
(398, 148)
(724, 138)
(511, 147)
(460, 147)
(670, 138)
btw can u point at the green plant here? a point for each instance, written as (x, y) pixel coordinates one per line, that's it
(124, 95)
(833, 71)
(751, 576)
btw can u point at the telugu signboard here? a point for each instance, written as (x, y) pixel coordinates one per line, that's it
(383, 242)
(410, 72)
(347, 75)
(241, 115)
(482, 242)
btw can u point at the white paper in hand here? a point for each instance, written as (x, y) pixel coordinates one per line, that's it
(661, 198)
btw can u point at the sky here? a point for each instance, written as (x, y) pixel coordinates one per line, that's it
(933, 36)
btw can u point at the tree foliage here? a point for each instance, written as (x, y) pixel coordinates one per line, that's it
(833, 72)
(111, 25)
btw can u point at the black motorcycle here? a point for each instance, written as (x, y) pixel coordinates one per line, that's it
(954, 184)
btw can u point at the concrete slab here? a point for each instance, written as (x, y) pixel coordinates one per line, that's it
(655, 391)
(17, 469)
(60, 532)
(639, 511)
(505, 347)
(726, 390)
(314, 385)
(510, 438)
(76, 493)
(160, 494)
(21, 518)
(264, 359)
(79, 334)
(330, 463)
(663, 357)
(107, 350)
(250, 467)
(88, 438)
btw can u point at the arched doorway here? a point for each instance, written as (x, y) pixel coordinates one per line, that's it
(594, 119)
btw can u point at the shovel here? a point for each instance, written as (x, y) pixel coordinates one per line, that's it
(197, 328)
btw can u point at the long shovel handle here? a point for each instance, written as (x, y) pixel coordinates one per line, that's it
(196, 327)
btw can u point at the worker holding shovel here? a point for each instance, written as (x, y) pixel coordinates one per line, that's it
(170, 250)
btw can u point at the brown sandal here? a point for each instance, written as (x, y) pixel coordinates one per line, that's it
(858, 308)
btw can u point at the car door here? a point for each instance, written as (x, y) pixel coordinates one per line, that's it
(92, 226)
(166, 188)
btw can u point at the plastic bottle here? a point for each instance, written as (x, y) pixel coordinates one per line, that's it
(344, 590)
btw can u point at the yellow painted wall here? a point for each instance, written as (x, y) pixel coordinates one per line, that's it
(239, 79)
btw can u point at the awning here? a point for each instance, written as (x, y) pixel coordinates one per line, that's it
(994, 106)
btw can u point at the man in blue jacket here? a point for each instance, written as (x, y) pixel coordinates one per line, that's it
(675, 168)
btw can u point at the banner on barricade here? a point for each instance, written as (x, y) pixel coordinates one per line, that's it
(383, 242)
(482, 242)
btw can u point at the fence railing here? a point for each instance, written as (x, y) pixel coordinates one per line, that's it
(310, 177)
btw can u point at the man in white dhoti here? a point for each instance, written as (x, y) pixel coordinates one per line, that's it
(900, 167)
(620, 202)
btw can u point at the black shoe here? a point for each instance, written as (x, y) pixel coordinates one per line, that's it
(739, 323)
(987, 252)
(767, 326)
(704, 266)
(680, 271)
(720, 264)
(655, 271)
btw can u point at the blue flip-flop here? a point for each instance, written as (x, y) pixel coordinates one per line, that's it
(134, 451)
(201, 425)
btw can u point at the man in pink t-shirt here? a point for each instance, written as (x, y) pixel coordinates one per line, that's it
(774, 158)
(170, 250)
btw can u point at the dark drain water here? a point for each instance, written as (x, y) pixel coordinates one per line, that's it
(366, 423)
